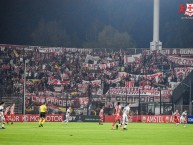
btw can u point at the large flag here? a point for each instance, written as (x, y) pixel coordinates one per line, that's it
(132, 58)
(130, 84)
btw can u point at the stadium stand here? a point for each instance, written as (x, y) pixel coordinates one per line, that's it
(89, 78)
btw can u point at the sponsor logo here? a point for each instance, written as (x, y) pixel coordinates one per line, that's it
(187, 10)
(190, 119)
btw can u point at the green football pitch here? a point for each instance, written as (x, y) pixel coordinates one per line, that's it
(92, 134)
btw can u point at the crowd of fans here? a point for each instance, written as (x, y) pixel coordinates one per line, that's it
(67, 66)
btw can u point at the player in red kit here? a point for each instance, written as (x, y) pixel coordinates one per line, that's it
(176, 117)
(6, 114)
(117, 115)
(101, 116)
(12, 113)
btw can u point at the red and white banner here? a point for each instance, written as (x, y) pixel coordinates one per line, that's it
(95, 82)
(128, 59)
(53, 81)
(135, 92)
(181, 60)
(92, 58)
(124, 74)
(183, 69)
(130, 84)
(132, 58)
(172, 51)
(135, 118)
(157, 118)
(47, 93)
(115, 80)
(83, 100)
(80, 50)
(56, 101)
(100, 66)
(60, 49)
(146, 118)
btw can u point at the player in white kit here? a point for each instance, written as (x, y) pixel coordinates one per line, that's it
(125, 119)
(183, 118)
(2, 120)
(68, 117)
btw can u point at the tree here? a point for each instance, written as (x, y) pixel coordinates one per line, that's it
(109, 37)
(50, 34)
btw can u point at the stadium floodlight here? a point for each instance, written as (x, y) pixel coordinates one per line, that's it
(156, 44)
(24, 85)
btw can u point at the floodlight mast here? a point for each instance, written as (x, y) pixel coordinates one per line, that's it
(156, 44)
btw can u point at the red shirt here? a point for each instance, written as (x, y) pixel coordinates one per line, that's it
(117, 110)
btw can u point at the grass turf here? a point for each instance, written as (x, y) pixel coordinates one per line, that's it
(92, 134)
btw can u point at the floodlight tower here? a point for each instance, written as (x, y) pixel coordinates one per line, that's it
(156, 44)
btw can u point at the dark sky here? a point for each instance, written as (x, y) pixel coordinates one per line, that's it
(20, 18)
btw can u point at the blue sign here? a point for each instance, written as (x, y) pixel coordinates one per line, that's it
(190, 119)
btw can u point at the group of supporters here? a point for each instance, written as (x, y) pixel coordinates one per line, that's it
(74, 68)
(68, 66)
(6, 114)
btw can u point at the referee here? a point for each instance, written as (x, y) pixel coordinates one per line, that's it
(42, 110)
